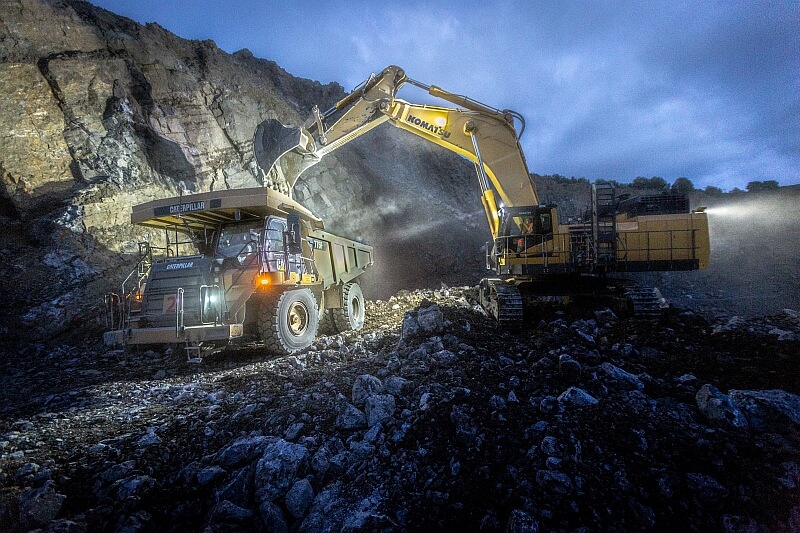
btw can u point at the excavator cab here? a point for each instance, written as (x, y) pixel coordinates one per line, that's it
(527, 220)
(523, 231)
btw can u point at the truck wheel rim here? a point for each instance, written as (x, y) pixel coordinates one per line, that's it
(355, 304)
(297, 319)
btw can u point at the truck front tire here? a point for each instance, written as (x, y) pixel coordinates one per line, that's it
(352, 313)
(289, 322)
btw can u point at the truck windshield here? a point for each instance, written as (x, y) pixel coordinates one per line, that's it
(239, 241)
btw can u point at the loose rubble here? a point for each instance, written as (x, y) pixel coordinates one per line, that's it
(429, 418)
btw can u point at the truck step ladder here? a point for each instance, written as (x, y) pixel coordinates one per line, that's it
(604, 225)
(194, 352)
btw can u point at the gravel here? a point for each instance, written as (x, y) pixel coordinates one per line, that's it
(429, 418)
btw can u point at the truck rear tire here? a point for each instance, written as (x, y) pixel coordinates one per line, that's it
(326, 325)
(351, 315)
(289, 322)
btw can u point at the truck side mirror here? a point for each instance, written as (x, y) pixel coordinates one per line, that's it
(293, 236)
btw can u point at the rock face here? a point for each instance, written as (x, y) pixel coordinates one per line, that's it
(99, 113)
(110, 102)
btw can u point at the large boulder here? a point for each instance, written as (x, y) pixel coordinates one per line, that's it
(576, 397)
(242, 450)
(719, 409)
(350, 417)
(282, 464)
(773, 411)
(379, 408)
(619, 378)
(425, 321)
(364, 387)
(38, 506)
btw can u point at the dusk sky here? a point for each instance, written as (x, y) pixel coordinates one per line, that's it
(703, 89)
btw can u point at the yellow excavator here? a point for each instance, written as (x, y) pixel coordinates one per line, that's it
(531, 251)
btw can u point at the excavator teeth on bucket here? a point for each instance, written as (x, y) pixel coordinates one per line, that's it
(272, 140)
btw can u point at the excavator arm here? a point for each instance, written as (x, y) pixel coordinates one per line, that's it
(482, 134)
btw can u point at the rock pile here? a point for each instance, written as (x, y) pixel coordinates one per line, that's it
(430, 418)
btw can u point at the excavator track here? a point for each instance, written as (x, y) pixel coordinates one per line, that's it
(509, 306)
(503, 301)
(647, 301)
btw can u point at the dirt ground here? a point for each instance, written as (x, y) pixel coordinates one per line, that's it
(481, 434)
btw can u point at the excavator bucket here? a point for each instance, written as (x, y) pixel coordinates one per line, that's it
(285, 151)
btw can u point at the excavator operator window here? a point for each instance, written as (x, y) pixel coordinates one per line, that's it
(545, 223)
(523, 225)
(520, 226)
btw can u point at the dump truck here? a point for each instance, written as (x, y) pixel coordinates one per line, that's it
(531, 252)
(237, 265)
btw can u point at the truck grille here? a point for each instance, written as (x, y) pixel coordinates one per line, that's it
(160, 303)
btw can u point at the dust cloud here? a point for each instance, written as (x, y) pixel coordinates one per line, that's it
(754, 267)
(417, 247)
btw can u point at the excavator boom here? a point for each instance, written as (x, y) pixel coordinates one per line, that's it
(480, 133)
